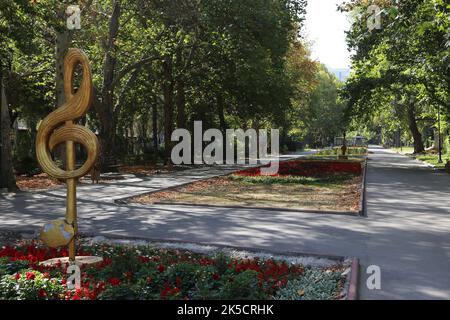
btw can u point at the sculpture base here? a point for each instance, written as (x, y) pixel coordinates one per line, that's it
(79, 260)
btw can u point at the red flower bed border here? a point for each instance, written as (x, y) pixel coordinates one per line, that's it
(309, 168)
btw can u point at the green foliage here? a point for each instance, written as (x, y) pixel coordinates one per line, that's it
(244, 286)
(400, 73)
(124, 291)
(11, 267)
(336, 151)
(328, 181)
(152, 273)
(184, 275)
(229, 63)
(30, 285)
(323, 117)
(313, 285)
(26, 165)
(433, 159)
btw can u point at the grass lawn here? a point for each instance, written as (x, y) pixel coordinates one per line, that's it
(433, 159)
(404, 150)
(335, 192)
(428, 158)
(336, 151)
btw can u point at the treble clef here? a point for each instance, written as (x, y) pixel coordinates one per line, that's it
(57, 127)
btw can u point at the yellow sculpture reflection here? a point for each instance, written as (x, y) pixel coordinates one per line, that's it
(57, 128)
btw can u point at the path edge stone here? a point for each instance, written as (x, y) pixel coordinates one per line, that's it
(362, 201)
(354, 280)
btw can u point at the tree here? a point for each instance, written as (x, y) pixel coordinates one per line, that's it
(399, 60)
(14, 31)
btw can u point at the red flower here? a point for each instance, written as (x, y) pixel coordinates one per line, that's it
(169, 291)
(216, 276)
(30, 275)
(114, 281)
(17, 276)
(161, 268)
(179, 282)
(42, 293)
(149, 280)
(143, 259)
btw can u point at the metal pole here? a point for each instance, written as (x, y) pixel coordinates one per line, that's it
(439, 134)
(71, 204)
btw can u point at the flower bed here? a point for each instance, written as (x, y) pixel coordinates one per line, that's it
(322, 186)
(311, 168)
(154, 273)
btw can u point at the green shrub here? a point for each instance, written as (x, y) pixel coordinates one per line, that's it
(30, 285)
(269, 180)
(315, 284)
(26, 165)
(10, 267)
(125, 262)
(182, 275)
(245, 285)
(124, 291)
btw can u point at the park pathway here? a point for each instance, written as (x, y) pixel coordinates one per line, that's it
(406, 232)
(408, 228)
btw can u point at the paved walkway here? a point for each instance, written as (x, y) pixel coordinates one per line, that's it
(406, 233)
(122, 186)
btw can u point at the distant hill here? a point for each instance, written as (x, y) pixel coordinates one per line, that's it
(341, 74)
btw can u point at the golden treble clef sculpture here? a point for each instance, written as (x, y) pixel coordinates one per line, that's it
(58, 127)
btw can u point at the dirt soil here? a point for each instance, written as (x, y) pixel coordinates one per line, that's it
(224, 191)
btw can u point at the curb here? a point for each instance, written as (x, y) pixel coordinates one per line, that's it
(362, 202)
(277, 209)
(288, 253)
(274, 252)
(354, 277)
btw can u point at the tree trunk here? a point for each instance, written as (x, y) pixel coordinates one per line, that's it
(104, 108)
(417, 136)
(63, 41)
(155, 126)
(167, 88)
(7, 178)
(222, 121)
(181, 103)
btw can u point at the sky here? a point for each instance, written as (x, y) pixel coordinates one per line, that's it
(325, 28)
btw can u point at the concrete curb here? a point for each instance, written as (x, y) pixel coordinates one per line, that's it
(90, 234)
(362, 202)
(287, 253)
(277, 209)
(354, 280)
